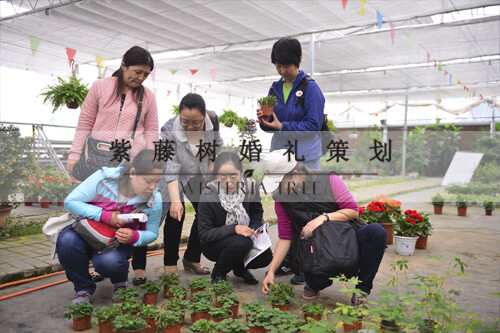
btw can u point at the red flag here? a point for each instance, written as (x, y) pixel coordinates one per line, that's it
(71, 55)
(169, 92)
(344, 3)
(392, 31)
(193, 71)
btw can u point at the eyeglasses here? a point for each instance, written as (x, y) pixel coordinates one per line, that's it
(195, 124)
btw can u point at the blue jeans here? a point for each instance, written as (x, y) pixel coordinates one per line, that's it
(74, 255)
(372, 242)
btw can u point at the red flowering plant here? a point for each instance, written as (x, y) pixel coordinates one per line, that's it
(378, 212)
(412, 224)
(32, 189)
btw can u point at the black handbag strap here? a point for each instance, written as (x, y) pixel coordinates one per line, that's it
(137, 118)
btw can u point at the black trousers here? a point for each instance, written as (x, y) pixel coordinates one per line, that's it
(229, 253)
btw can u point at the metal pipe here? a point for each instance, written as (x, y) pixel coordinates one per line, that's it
(405, 128)
(311, 54)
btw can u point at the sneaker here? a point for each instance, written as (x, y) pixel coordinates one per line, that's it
(139, 281)
(283, 270)
(81, 296)
(310, 293)
(298, 280)
(96, 277)
(359, 301)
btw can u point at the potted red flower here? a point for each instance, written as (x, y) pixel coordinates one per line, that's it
(383, 213)
(407, 227)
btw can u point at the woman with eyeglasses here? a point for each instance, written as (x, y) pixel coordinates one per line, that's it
(194, 141)
(229, 213)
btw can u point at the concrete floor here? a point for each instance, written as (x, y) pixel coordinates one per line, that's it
(474, 239)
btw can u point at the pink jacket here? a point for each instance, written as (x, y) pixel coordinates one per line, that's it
(100, 117)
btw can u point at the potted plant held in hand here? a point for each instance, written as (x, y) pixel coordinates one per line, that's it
(168, 280)
(204, 326)
(150, 290)
(229, 301)
(170, 321)
(267, 105)
(81, 314)
(438, 203)
(105, 317)
(150, 313)
(129, 323)
(280, 295)
(71, 93)
(314, 311)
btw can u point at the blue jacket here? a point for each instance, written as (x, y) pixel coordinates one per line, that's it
(301, 124)
(97, 197)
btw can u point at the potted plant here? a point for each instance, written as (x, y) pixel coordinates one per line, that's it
(261, 321)
(323, 326)
(267, 105)
(150, 313)
(170, 321)
(423, 232)
(200, 310)
(350, 316)
(18, 163)
(167, 280)
(251, 309)
(204, 326)
(150, 290)
(219, 314)
(178, 305)
(462, 204)
(222, 287)
(229, 301)
(128, 322)
(105, 317)
(31, 190)
(231, 325)
(133, 307)
(126, 295)
(198, 284)
(178, 292)
(71, 92)
(229, 118)
(81, 314)
(280, 295)
(407, 226)
(438, 203)
(380, 212)
(203, 296)
(285, 322)
(489, 207)
(314, 311)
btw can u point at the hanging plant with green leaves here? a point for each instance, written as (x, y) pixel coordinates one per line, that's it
(230, 118)
(175, 110)
(71, 92)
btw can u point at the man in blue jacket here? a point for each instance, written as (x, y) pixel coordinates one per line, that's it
(294, 123)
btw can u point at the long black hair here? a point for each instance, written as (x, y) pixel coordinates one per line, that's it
(136, 55)
(143, 164)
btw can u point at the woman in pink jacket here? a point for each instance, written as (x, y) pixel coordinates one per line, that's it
(109, 113)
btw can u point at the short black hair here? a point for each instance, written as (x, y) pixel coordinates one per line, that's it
(287, 51)
(193, 101)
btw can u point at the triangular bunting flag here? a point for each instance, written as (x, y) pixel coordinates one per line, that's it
(34, 43)
(379, 19)
(173, 71)
(428, 58)
(440, 68)
(169, 92)
(362, 11)
(71, 55)
(193, 71)
(450, 78)
(435, 63)
(392, 31)
(445, 73)
(153, 74)
(344, 3)
(100, 61)
(212, 73)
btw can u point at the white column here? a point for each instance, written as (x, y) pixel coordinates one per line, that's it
(311, 54)
(405, 128)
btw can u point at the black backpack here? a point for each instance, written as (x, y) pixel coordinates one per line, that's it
(325, 134)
